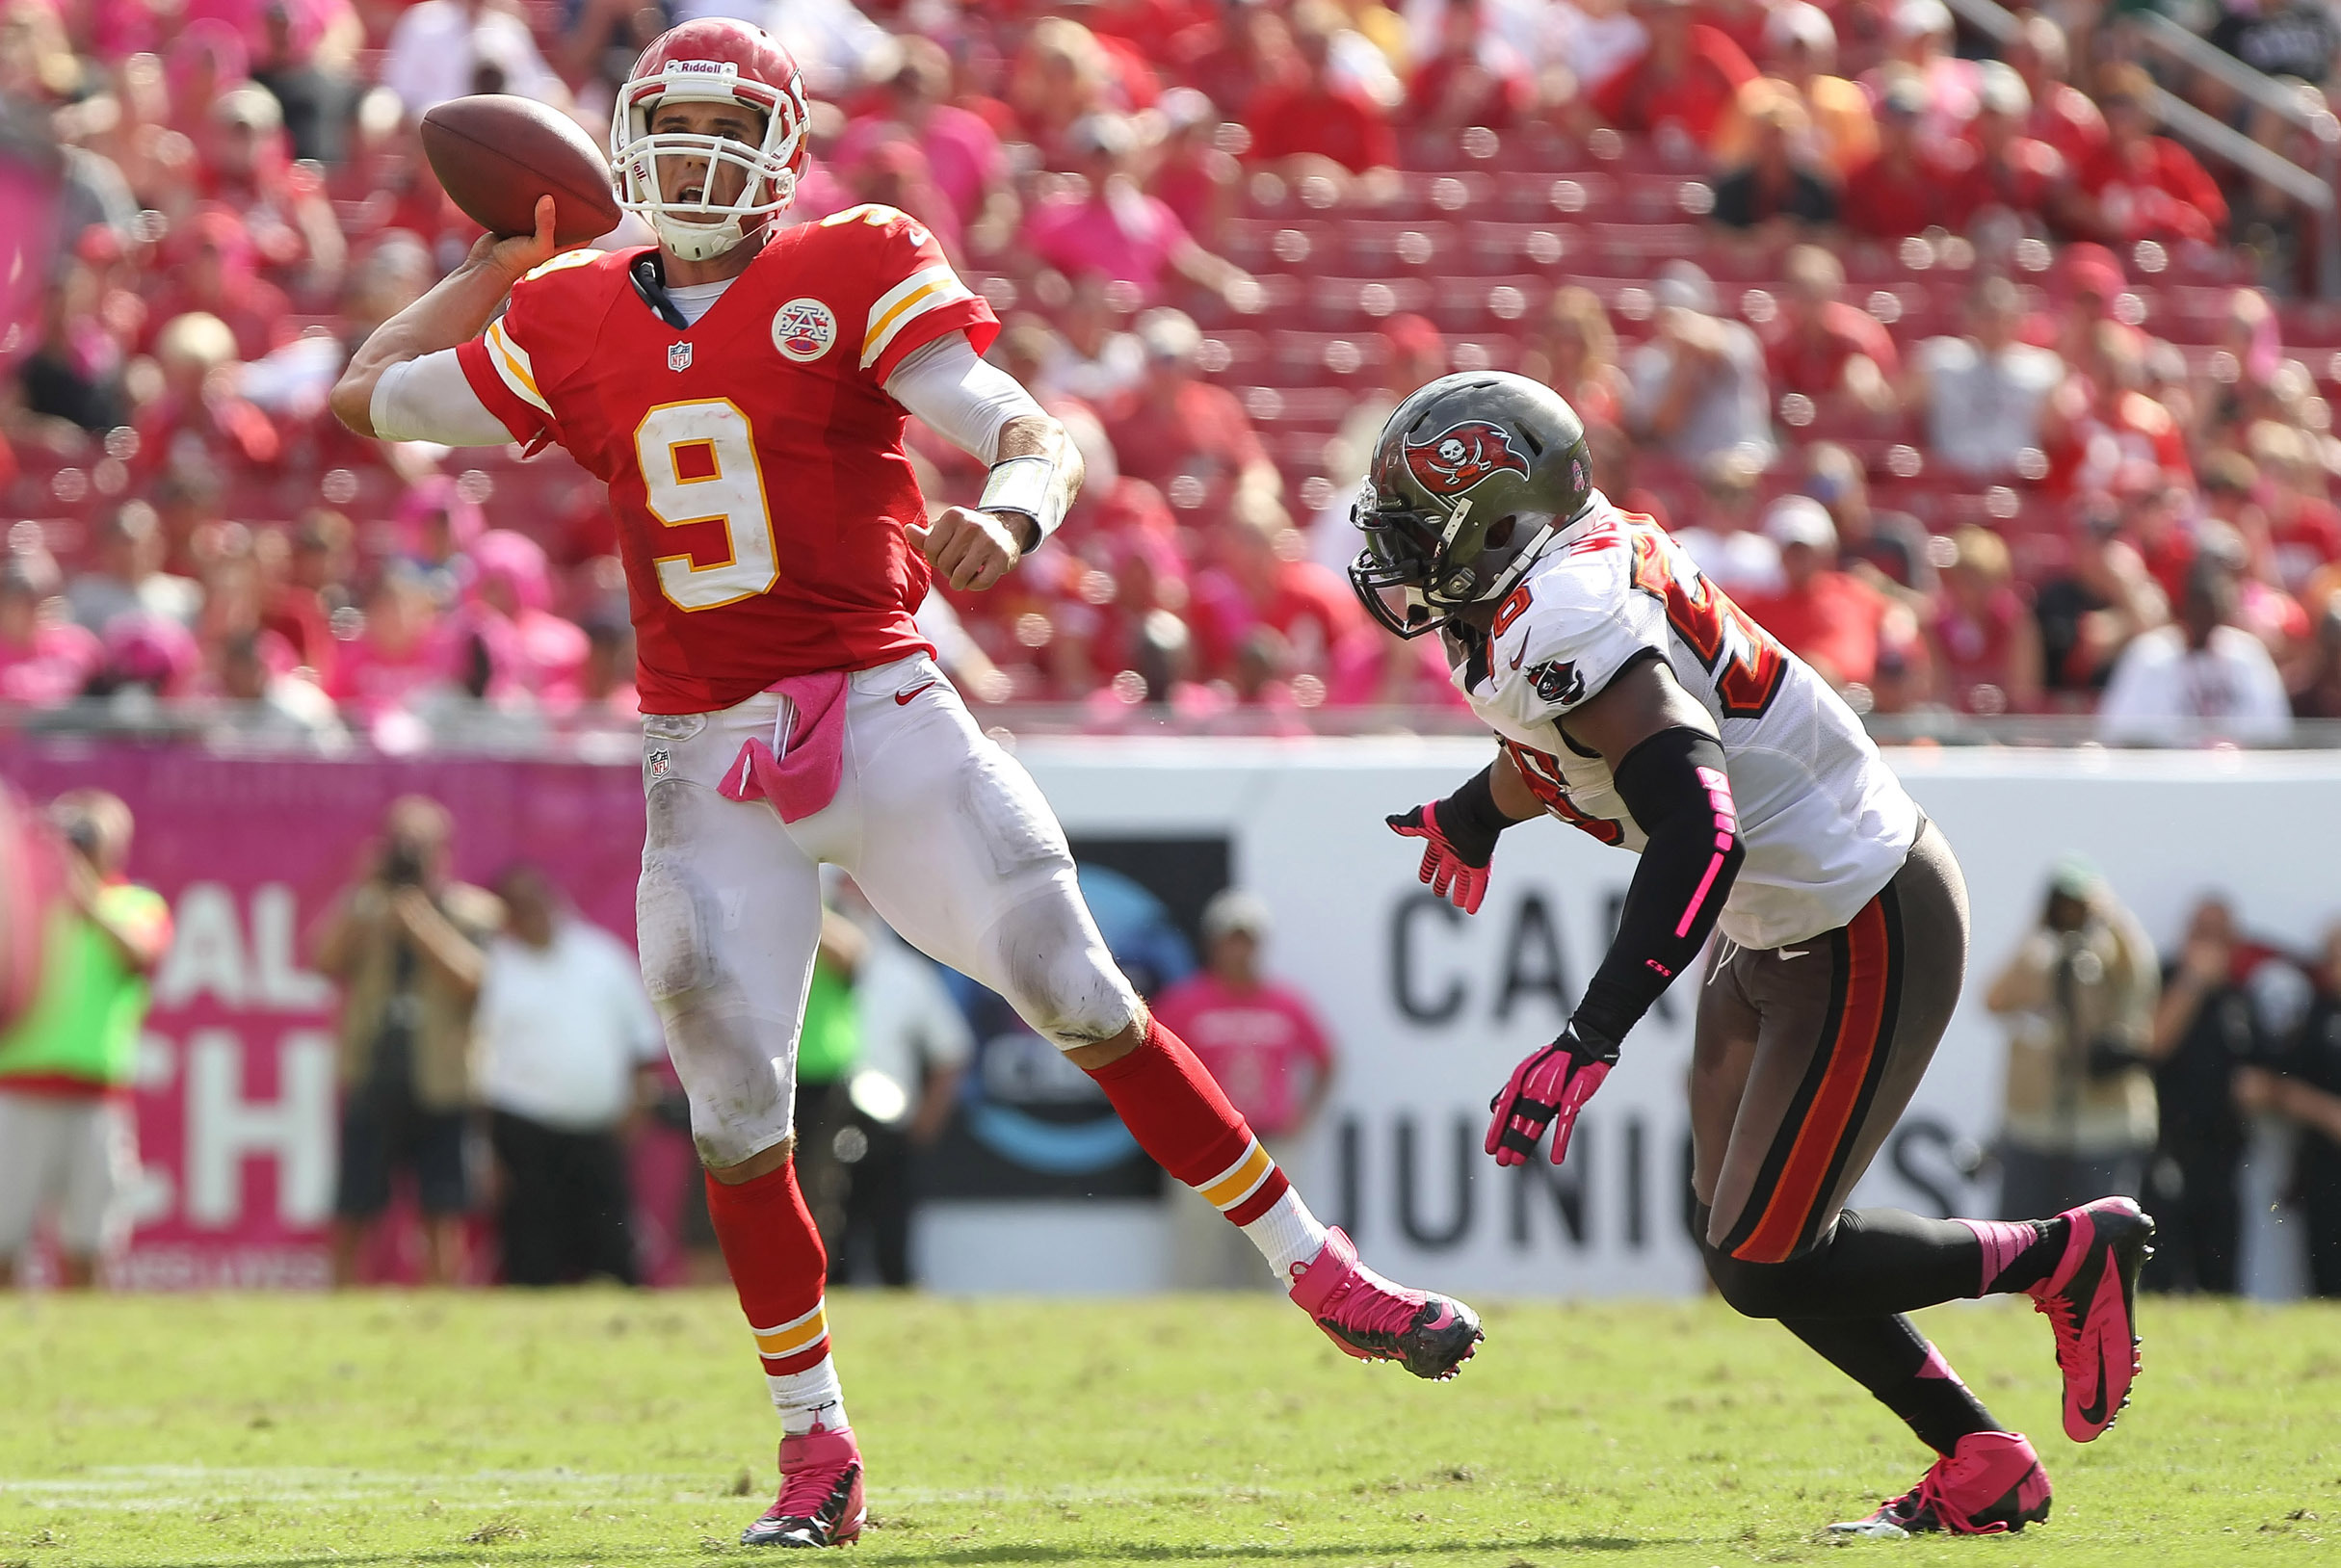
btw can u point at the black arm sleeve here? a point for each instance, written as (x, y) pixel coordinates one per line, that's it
(1675, 785)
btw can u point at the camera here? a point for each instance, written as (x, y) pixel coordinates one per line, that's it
(401, 864)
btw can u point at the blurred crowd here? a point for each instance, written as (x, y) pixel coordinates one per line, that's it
(1979, 390)
(2164, 1078)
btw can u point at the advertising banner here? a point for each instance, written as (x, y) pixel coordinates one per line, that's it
(238, 1094)
(1429, 1009)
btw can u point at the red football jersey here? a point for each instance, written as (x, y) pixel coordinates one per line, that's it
(754, 460)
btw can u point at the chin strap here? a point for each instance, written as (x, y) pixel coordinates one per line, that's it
(649, 274)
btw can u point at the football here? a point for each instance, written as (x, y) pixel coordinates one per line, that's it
(496, 154)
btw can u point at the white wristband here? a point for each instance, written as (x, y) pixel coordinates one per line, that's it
(1026, 484)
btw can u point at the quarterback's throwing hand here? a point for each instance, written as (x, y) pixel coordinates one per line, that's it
(1551, 1086)
(969, 549)
(516, 255)
(1456, 858)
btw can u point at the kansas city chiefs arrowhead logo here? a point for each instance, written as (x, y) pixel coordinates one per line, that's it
(1461, 455)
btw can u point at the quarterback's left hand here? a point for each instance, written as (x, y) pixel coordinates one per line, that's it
(1551, 1086)
(969, 549)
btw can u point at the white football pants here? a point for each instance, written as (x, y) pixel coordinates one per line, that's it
(948, 837)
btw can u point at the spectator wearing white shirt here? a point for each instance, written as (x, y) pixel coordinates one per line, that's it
(126, 575)
(1699, 386)
(569, 1048)
(443, 49)
(2203, 674)
(1982, 396)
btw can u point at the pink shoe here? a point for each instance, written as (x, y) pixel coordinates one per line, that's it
(821, 1502)
(1990, 1485)
(1367, 1317)
(2090, 1299)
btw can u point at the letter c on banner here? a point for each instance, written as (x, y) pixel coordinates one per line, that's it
(1403, 919)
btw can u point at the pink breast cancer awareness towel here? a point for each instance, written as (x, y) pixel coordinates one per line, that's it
(805, 776)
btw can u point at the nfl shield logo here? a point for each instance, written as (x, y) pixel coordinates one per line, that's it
(679, 356)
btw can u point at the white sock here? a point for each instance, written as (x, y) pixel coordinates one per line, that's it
(1287, 1235)
(809, 1399)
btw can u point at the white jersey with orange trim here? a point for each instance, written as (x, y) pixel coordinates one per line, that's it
(1824, 823)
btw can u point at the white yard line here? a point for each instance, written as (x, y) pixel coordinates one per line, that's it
(156, 1487)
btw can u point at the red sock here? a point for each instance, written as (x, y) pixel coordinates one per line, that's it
(778, 1267)
(1178, 1114)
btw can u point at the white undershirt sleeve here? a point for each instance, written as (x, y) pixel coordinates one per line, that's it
(431, 400)
(967, 401)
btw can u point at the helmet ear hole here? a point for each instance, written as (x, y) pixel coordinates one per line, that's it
(1499, 533)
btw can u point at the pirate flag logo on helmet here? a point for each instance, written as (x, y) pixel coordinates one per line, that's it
(1461, 455)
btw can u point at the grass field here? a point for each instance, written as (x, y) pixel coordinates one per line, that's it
(606, 1430)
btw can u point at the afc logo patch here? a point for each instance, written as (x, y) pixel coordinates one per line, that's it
(803, 329)
(679, 356)
(1557, 682)
(1461, 455)
(658, 763)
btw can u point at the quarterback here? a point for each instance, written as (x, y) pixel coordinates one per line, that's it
(743, 388)
(1634, 700)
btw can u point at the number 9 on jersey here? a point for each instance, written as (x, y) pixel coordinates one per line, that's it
(698, 465)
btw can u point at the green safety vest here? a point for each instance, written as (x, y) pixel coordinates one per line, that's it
(84, 1022)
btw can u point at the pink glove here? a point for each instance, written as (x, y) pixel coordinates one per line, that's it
(1457, 872)
(1552, 1085)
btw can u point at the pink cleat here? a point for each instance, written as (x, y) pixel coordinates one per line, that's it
(1367, 1317)
(1990, 1485)
(821, 1502)
(2090, 1299)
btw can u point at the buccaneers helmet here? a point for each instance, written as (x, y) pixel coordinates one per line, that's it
(1471, 475)
(715, 60)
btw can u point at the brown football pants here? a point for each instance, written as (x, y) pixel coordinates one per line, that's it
(1808, 1055)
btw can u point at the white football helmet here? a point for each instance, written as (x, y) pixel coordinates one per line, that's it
(715, 59)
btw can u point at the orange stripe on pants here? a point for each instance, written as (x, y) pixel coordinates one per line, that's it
(1798, 1190)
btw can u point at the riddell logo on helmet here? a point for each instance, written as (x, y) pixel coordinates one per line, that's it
(1461, 455)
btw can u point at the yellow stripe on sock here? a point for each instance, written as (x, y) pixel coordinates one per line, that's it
(1239, 1184)
(790, 1338)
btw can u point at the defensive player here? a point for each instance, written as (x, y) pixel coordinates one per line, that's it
(1634, 700)
(743, 389)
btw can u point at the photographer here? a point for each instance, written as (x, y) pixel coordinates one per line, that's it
(407, 946)
(2078, 999)
(67, 1141)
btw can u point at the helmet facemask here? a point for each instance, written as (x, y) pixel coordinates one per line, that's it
(704, 228)
(1408, 576)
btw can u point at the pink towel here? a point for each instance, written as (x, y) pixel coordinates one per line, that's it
(804, 777)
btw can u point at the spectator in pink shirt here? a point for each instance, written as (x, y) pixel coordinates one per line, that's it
(1115, 229)
(1262, 1041)
(512, 594)
(45, 660)
(964, 158)
(404, 650)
